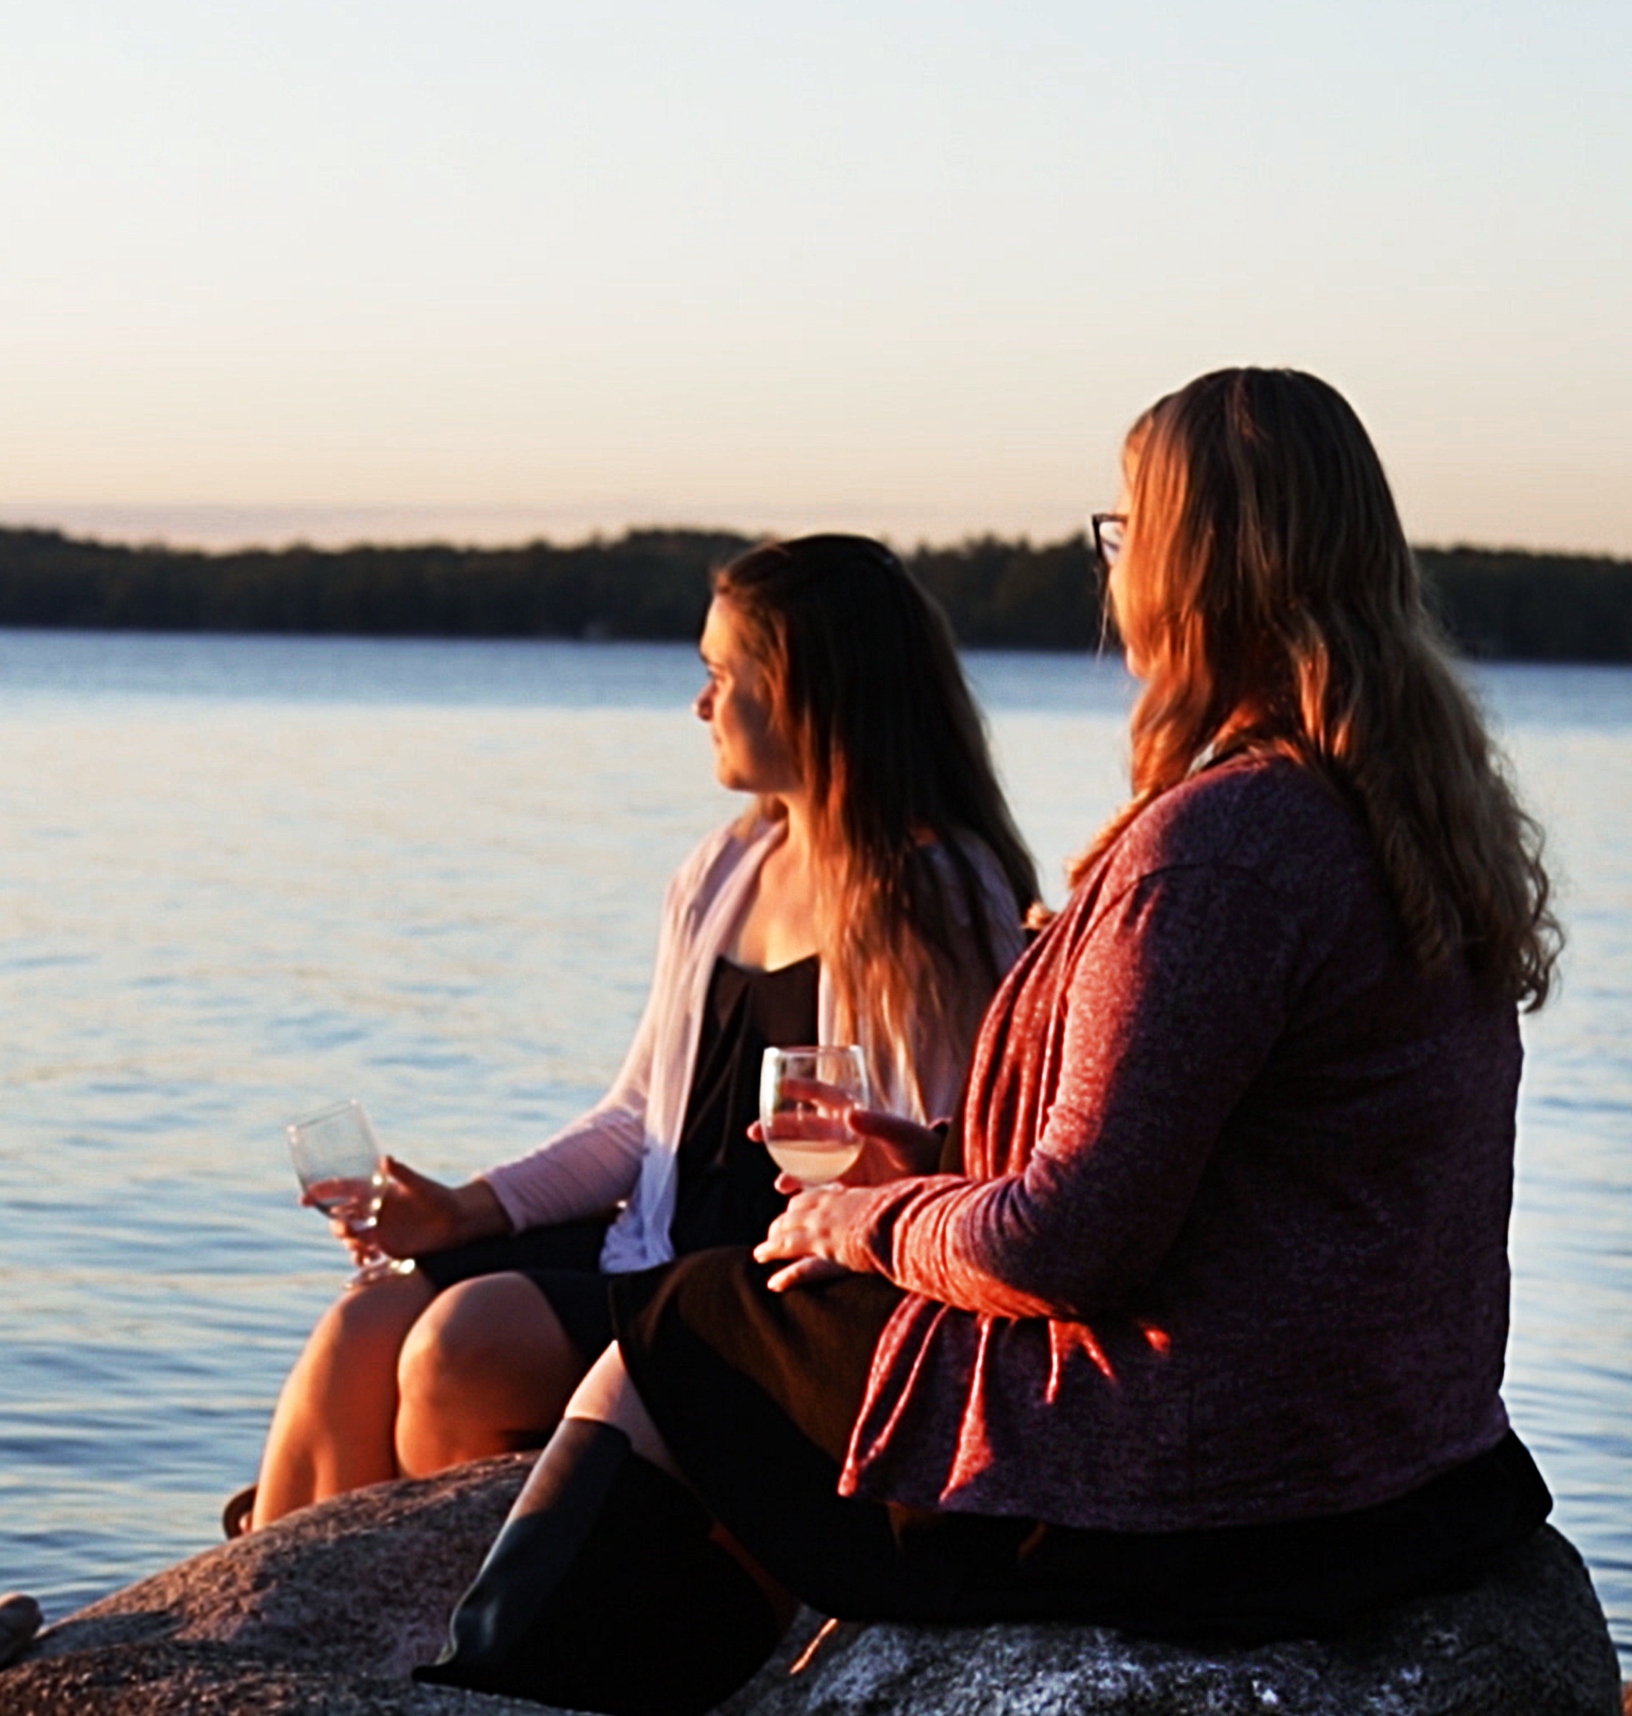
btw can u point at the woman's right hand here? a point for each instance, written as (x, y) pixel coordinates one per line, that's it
(894, 1149)
(419, 1214)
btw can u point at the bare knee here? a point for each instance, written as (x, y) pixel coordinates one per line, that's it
(458, 1340)
(366, 1327)
(607, 1394)
(486, 1369)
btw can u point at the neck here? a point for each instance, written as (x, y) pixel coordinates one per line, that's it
(781, 923)
(801, 844)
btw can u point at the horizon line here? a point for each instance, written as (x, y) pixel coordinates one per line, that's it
(14, 517)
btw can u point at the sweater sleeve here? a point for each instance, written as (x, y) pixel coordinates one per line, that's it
(1176, 996)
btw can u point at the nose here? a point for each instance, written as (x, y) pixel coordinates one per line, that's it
(702, 705)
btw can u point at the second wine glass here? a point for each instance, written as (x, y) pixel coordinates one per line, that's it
(802, 1095)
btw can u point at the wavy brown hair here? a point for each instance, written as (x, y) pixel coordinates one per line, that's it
(867, 689)
(1268, 597)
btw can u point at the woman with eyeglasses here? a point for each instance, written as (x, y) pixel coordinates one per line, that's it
(872, 893)
(1200, 1323)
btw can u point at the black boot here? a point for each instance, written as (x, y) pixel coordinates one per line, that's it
(608, 1593)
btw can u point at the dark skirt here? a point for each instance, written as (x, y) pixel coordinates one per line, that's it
(756, 1393)
(561, 1261)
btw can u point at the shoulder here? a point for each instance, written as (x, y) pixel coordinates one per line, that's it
(1258, 846)
(964, 854)
(1253, 876)
(977, 888)
(716, 858)
(1267, 816)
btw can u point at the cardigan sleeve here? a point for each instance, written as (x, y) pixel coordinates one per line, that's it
(1178, 993)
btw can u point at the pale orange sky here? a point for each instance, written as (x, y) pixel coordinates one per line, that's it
(286, 269)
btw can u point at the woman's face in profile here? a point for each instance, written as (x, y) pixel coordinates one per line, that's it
(1119, 581)
(750, 753)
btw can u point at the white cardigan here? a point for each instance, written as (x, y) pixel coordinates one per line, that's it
(626, 1146)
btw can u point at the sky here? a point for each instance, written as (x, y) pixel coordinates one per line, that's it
(488, 270)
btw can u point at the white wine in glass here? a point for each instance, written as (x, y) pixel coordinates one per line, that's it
(802, 1092)
(337, 1159)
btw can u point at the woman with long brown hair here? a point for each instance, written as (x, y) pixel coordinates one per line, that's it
(1201, 1322)
(872, 893)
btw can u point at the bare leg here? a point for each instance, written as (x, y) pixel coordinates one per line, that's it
(487, 1370)
(609, 1587)
(334, 1425)
(607, 1394)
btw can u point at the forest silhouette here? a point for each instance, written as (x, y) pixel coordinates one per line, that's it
(1498, 604)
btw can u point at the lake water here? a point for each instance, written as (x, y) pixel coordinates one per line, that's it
(244, 876)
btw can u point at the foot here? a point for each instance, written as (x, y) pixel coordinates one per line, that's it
(238, 1515)
(19, 1621)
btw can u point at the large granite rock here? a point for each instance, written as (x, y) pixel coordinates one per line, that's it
(324, 1613)
(1530, 1642)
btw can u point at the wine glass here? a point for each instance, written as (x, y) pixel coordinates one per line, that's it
(337, 1159)
(799, 1089)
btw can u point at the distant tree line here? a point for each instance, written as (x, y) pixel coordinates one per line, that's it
(1500, 604)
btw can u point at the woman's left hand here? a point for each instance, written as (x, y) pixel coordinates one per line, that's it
(810, 1233)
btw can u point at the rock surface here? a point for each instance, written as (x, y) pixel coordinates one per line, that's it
(1529, 1642)
(324, 1613)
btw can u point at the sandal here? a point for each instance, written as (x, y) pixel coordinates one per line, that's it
(236, 1515)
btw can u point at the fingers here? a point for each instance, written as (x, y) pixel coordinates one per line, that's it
(807, 1108)
(890, 1129)
(814, 1090)
(783, 1239)
(803, 1123)
(906, 1146)
(805, 1272)
(802, 1227)
(410, 1179)
(770, 1250)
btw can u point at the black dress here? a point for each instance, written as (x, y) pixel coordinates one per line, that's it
(726, 1183)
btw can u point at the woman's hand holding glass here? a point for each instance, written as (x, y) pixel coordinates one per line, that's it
(804, 1094)
(411, 1212)
(892, 1148)
(810, 1234)
(419, 1214)
(810, 1103)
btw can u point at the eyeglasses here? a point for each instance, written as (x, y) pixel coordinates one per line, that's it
(1109, 529)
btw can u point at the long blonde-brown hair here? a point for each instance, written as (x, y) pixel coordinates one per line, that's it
(867, 689)
(1268, 597)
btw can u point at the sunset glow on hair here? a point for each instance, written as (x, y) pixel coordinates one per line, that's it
(1268, 597)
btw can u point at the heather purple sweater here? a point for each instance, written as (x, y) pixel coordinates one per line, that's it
(1233, 1242)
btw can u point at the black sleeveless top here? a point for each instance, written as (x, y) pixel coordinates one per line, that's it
(725, 1193)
